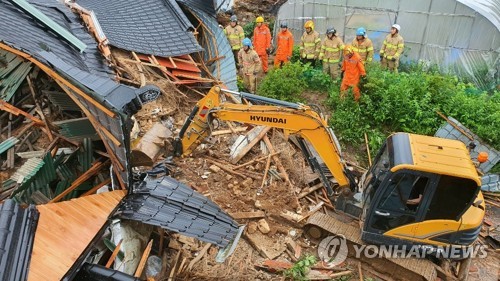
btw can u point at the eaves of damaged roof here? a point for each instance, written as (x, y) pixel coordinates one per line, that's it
(216, 45)
(17, 232)
(157, 27)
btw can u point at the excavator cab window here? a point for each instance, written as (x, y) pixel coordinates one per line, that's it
(400, 201)
(452, 197)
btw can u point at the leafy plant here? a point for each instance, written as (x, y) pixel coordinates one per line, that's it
(299, 270)
(408, 102)
(316, 79)
(248, 29)
(284, 83)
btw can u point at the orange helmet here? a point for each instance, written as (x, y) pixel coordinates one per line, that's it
(309, 24)
(348, 49)
(482, 157)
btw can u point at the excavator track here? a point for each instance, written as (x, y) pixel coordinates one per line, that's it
(393, 268)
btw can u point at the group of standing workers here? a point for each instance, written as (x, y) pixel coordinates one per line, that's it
(251, 57)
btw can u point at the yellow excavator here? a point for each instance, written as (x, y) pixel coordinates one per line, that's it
(420, 191)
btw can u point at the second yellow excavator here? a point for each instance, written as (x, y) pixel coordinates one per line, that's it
(420, 190)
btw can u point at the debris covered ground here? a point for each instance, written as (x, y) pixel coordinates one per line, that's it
(54, 149)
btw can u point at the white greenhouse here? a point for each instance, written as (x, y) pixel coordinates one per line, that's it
(461, 36)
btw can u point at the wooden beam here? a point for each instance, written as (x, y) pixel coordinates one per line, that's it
(144, 258)
(96, 125)
(223, 132)
(266, 170)
(114, 254)
(5, 106)
(277, 160)
(255, 160)
(249, 146)
(248, 215)
(95, 188)
(85, 176)
(39, 108)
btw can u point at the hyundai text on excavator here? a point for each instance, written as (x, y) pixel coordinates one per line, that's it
(420, 190)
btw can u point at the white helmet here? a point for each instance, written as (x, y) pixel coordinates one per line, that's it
(397, 27)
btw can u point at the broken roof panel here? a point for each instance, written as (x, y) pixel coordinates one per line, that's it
(146, 26)
(176, 207)
(201, 5)
(7, 144)
(21, 31)
(223, 69)
(64, 232)
(17, 232)
(12, 74)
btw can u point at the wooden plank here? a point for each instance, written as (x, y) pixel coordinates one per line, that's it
(85, 176)
(242, 152)
(114, 254)
(189, 74)
(248, 215)
(180, 65)
(65, 230)
(309, 190)
(143, 260)
(95, 188)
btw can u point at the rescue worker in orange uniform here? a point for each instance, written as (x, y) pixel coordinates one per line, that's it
(392, 49)
(262, 41)
(284, 47)
(310, 44)
(363, 45)
(235, 35)
(352, 69)
(331, 53)
(249, 64)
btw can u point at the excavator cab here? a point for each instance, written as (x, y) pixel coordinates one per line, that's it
(421, 190)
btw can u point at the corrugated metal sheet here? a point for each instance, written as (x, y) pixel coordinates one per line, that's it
(12, 75)
(27, 170)
(77, 129)
(65, 231)
(7, 144)
(17, 231)
(174, 206)
(447, 131)
(223, 69)
(62, 100)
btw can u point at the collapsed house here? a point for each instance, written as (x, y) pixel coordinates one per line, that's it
(68, 97)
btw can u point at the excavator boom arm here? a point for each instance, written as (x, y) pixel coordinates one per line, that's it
(300, 120)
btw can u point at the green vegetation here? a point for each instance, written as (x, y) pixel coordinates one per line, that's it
(299, 270)
(408, 102)
(289, 82)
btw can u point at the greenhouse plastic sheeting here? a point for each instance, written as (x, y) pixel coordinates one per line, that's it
(461, 36)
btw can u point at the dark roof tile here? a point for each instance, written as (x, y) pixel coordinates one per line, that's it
(17, 232)
(145, 26)
(177, 207)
